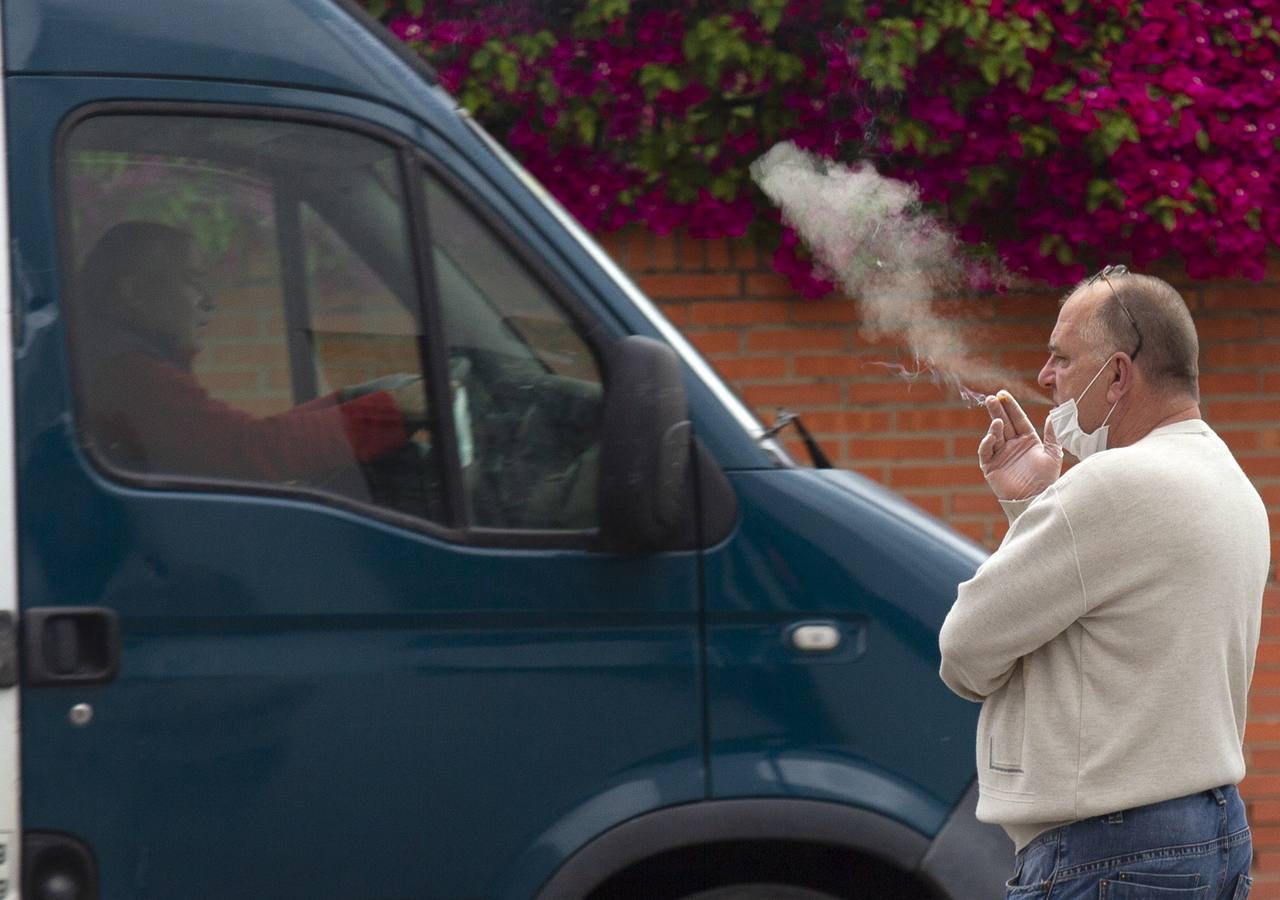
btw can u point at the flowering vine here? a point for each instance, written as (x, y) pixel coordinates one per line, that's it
(1056, 134)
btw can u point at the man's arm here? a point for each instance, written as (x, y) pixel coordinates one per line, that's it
(1026, 594)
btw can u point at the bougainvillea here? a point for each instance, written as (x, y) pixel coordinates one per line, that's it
(1056, 134)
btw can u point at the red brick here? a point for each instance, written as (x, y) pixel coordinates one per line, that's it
(1270, 494)
(852, 421)
(1260, 296)
(662, 254)
(790, 395)
(934, 504)
(1035, 304)
(986, 334)
(798, 339)
(1271, 383)
(1227, 329)
(964, 307)
(719, 255)
(693, 254)
(1265, 705)
(769, 284)
(978, 531)
(1265, 679)
(1029, 362)
(830, 366)
(690, 285)
(1261, 786)
(1230, 383)
(833, 309)
(740, 312)
(980, 502)
(934, 476)
(1241, 441)
(898, 391)
(746, 258)
(712, 342)
(1264, 412)
(745, 368)
(1241, 355)
(952, 419)
(1271, 326)
(884, 448)
(1261, 467)
(1265, 812)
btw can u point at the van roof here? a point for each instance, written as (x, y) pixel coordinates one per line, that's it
(325, 44)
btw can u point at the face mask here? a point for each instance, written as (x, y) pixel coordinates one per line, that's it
(1065, 419)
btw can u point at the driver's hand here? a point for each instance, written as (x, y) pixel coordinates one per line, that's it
(411, 397)
(1017, 464)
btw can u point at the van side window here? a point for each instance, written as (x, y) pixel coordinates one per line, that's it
(526, 386)
(243, 308)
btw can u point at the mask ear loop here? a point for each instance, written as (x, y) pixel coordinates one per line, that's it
(1106, 418)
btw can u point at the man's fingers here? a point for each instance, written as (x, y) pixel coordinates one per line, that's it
(991, 444)
(1019, 424)
(1051, 436)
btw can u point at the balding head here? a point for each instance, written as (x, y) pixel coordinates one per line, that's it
(1145, 317)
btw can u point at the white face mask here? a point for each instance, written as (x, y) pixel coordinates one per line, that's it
(1065, 418)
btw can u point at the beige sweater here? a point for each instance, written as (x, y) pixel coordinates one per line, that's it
(1111, 637)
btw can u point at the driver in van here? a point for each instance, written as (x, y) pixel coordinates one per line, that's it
(141, 310)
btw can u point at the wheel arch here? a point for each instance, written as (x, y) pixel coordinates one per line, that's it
(715, 821)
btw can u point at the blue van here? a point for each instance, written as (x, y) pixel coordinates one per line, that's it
(372, 536)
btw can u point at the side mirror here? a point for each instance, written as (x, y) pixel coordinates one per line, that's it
(646, 453)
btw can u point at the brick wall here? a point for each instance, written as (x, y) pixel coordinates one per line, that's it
(776, 350)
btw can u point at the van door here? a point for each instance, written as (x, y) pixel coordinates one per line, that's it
(315, 433)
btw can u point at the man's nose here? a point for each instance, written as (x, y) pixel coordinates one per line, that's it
(1045, 378)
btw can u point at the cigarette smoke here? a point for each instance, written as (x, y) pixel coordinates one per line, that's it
(871, 235)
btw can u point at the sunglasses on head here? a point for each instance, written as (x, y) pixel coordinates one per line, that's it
(1104, 274)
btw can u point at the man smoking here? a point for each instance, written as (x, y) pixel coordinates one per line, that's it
(1111, 637)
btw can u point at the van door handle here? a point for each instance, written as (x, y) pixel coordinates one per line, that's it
(70, 645)
(815, 637)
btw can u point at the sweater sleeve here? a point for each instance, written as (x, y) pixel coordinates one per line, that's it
(1027, 593)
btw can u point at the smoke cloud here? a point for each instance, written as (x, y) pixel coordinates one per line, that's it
(871, 235)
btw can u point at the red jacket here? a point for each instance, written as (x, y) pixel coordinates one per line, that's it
(149, 416)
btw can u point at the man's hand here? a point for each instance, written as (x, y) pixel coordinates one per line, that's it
(412, 400)
(1016, 463)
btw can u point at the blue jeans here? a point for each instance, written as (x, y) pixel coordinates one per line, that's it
(1190, 848)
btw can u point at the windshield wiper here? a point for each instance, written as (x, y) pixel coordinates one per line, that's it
(787, 417)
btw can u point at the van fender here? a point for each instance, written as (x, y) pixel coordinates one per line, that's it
(754, 819)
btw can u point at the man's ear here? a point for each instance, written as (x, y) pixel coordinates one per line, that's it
(1122, 383)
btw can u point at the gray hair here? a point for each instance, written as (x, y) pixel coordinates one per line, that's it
(1170, 350)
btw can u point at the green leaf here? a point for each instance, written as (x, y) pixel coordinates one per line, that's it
(989, 66)
(586, 120)
(415, 7)
(508, 72)
(376, 8)
(1202, 140)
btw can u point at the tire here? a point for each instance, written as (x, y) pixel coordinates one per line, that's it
(760, 891)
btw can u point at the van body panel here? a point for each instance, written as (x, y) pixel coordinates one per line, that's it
(310, 43)
(833, 549)
(377, 693)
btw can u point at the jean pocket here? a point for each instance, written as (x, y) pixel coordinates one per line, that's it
(1025, 891)
(1243, 883)
(1161, 888)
